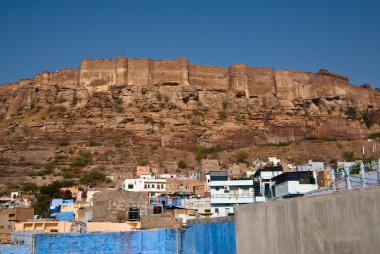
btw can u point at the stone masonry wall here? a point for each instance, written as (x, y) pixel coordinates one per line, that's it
(111, 205)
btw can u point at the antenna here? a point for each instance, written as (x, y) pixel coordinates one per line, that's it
(122, 52)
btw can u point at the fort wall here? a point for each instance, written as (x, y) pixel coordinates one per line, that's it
(239, 80)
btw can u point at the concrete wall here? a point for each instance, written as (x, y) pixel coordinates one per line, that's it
(345, 222)
(210, 236)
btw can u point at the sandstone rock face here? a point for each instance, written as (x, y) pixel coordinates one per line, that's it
(192, 104)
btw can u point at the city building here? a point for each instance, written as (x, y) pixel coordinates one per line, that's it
(263, 182)
(10, 216)
(188, 185)
(294, 184)
(151, 185)
(119, 206)
(312, 165)
(225, 193)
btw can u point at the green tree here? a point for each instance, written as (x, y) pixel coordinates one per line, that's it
(92, 178)
(29, 187)
(182, 164)
(82, 159)
(367, 119)
(242, 156)
(351, 112)
(41, 205)
(223, 115)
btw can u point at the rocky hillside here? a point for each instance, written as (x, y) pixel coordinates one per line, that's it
(113, 114)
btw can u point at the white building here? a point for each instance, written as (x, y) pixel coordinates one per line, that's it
(145, 184)
(312, 165)
(225, 194)
(293, 184)
(263, 182)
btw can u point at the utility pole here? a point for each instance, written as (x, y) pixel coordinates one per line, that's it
(378, 170)
(122, 52)
(347, 176)
(333, 180)
(362, 175)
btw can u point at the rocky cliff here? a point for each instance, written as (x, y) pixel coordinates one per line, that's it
(177, 105)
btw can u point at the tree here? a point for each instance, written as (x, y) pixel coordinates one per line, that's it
(82, 160)
(182, 164)
(351, 112)
(29, 187)
(242, 156)
(367, 119)
(223, 115)
(41, 205)
(51, 190)
(65, 194)
(92, 178)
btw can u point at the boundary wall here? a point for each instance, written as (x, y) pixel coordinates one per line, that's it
(342, 222)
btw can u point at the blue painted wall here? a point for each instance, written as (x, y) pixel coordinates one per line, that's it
(20, 236)
(15, 249)
(152, 241)
(65, 216)
(216, 236)
(209, 237)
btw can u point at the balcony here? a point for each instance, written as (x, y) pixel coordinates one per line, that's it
(230, 198)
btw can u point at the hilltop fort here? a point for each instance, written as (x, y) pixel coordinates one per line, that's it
(174, 106)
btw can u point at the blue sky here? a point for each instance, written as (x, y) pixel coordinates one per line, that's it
(341, 36)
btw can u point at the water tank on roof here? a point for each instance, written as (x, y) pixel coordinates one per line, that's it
(157, 209)
(134, 214)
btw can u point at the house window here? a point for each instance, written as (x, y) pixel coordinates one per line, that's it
(216, 210)
(217, 188)
(158, 186)
(145, 186)
(148, 186)
(162, 186)
(12, 215)
(130, 186)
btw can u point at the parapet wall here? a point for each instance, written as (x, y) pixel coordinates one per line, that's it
(346, 222)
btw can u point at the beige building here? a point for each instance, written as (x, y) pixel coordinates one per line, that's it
(10, 216)
(66, 226)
